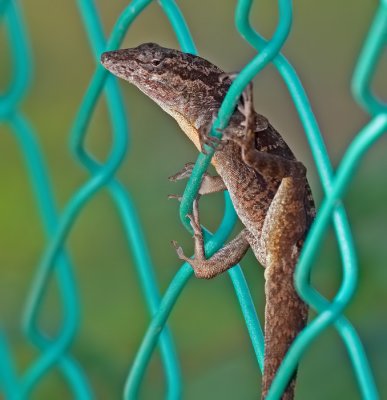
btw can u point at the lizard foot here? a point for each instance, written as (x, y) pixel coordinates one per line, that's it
(211, 141)
(199, 260)
(184, 173)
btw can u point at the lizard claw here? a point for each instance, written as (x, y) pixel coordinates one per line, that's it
(175, 196)
(211, 141)
(180, 252)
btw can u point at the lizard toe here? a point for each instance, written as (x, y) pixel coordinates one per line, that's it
(180, 252)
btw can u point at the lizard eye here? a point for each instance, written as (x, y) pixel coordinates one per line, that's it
(156, 62)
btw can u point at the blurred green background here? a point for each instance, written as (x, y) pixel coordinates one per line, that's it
(216, 356)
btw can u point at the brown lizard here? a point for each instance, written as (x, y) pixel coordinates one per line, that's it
(266, 183)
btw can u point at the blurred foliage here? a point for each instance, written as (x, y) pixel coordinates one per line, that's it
(214, 348)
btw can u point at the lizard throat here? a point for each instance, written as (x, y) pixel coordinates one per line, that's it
(190, 130)
(187, 126)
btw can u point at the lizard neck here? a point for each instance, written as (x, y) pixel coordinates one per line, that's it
(189, 129)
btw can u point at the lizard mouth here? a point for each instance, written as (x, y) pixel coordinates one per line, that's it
(106, 58)
(118, 65)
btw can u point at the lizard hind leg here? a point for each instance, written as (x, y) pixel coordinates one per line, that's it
(265, 163)
(227, 256)
(222, 260)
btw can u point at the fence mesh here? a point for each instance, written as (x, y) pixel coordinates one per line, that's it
(56, 263)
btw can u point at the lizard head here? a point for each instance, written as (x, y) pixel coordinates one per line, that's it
(179, 82)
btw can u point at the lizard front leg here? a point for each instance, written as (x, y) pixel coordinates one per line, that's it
(267, 164)
(209, 184)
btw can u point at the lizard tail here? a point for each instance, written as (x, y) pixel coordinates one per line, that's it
(285, 316)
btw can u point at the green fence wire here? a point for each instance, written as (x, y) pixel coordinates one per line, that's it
(56, 263)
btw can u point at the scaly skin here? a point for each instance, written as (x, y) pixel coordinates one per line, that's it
(267, 185)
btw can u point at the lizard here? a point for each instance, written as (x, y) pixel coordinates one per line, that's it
(267, 184)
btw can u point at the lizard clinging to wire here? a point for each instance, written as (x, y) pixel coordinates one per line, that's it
(266, 183)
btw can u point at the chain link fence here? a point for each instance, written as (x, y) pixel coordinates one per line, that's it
(56, 264)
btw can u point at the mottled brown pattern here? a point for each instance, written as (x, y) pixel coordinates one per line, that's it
(268, 189)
